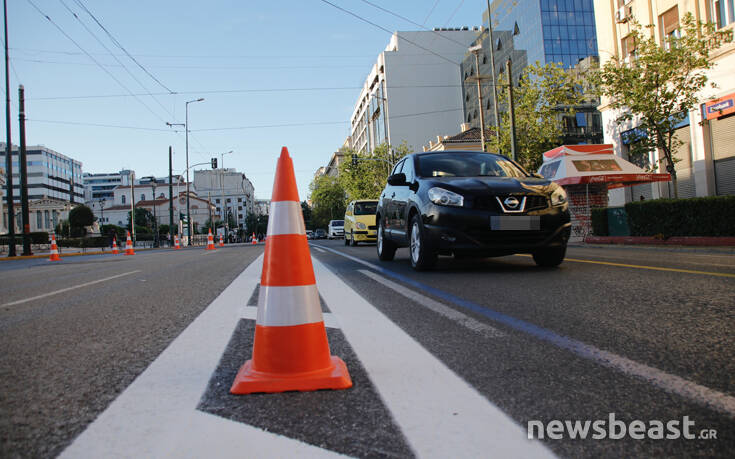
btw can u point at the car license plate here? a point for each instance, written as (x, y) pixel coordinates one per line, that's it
(515, 223)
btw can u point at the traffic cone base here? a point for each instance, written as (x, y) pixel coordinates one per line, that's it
(114, 247)
(250, 381)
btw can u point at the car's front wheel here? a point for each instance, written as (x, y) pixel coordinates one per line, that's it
(386, 248)
(353, 242)
(550, 256)
(422, 256)
(347, 241)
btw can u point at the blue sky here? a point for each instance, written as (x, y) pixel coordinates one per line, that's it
(256, 63)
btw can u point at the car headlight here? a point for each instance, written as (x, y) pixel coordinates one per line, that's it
(558, 197)
(361, 226)
(445, 197)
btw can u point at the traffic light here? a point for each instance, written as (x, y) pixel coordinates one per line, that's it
(214, 163)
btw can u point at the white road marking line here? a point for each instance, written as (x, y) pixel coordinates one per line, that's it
(440, 414)
(156, 415)
(441, 309)
(698, 393)
(251, 313)
(318, 249)
(56, 292)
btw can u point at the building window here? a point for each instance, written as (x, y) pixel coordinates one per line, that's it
(142, 197)
(627, 46)
(55, 215)
(239, 199)
(123, 199)
(722, 12)
(38, 219)
(217, 201)
(228, 199)
(46, 220)
(668, 24)
(484, 59)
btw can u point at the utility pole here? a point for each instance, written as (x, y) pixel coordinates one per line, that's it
(23, 174)
(132, 205)
(170, 197)
(511, 113)
(9, 146)
(188, 209)
(492, 71)
(476, 51)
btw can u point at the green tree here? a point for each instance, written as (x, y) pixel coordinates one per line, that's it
(306, 212)
(661, 84)
(328, 199)
(367, 178)
(79, 217)
(545, 93)
(143, 217)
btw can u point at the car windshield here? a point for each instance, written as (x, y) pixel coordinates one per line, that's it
(366, 208)
(467, 165)
(338, 223)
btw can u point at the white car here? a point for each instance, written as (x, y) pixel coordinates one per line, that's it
(336, 229)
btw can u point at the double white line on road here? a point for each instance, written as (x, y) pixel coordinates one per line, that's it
(56, 292)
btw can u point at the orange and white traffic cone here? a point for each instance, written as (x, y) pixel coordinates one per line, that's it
(290, 350)
(221, 243)
(176, 240)
(255, 240)
(114, 246)
(210, 241)
(129, 246)
(54, 250)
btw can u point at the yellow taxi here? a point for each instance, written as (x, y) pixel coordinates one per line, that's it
(360, 222)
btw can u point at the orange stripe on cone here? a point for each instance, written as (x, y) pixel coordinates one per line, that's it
(290, 349)
(114, 246)
(176, 240)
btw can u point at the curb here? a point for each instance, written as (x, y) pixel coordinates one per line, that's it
(690, 241)
(62, 255)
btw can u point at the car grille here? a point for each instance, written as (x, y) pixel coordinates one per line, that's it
(533, 202)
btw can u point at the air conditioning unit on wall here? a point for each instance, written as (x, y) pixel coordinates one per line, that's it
(623, 14)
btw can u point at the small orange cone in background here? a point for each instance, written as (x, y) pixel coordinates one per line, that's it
(290, 350)
(54, 250)
(176, 240)
(114, 245)
(210, 241)
(221, 243)
(129, 246)
(255, 241)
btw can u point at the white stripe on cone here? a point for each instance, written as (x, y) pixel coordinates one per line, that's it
(285, 306)
(285, 218)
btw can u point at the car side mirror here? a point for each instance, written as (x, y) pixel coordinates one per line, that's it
(398, 179)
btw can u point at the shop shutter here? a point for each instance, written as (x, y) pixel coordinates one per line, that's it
(684, 172)
(723, 153)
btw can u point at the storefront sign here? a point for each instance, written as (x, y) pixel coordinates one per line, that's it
(719, 107)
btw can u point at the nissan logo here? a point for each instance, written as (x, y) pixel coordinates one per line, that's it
(511, 202)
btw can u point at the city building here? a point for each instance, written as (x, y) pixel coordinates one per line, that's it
(230, 191)
(50, 174)
(201, 209)
(410, 93)
(467, 140)
(706, 164)
(526, 32)
(100, 186)
(43, 215)
(262, 206)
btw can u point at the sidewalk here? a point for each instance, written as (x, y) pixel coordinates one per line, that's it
(708, 244)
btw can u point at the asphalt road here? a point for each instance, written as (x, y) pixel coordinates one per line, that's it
(66, 356)
(645, 334)
(644, 305)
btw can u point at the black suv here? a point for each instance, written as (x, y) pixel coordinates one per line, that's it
(470, 204)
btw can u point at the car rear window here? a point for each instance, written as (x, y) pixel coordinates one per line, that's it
(467, 165)
(366, 208)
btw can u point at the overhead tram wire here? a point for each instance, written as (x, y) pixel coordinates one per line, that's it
(148, 92)
(119, 45)
(430, 11)
(93, 59)
(388, 31)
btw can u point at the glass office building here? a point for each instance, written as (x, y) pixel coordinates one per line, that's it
(548, 30)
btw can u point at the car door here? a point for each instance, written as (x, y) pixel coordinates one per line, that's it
(401, 199)
(387, 202)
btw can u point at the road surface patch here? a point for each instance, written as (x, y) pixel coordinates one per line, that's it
(56, 292)
(697, 393)
(468, 322)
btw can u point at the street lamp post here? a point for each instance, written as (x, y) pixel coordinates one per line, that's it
(476, 51)
(188, 210)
